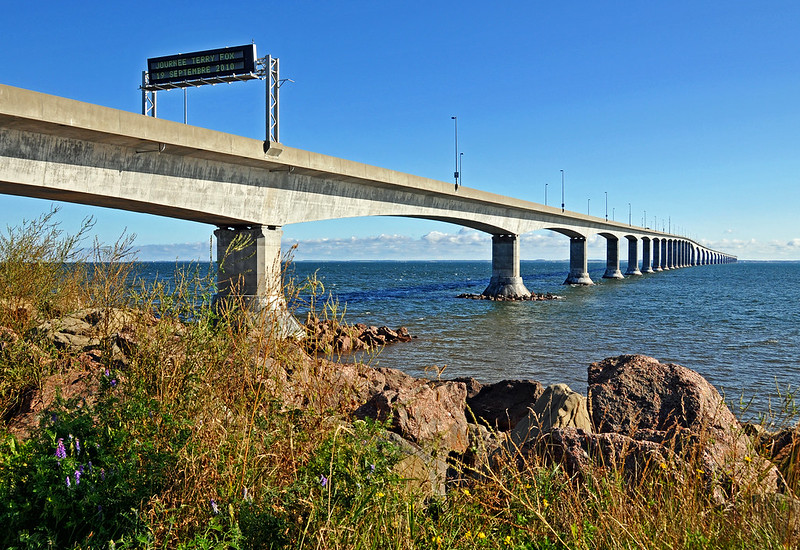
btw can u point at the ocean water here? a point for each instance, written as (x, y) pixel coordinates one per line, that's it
(736, 324)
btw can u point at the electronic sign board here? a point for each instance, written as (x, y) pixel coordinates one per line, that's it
(204, 67)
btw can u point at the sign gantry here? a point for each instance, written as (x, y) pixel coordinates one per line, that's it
(221, 65)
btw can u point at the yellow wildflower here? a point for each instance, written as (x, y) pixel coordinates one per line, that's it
(663, 465)
(465, 491)
(507, 540)
(468, 535)
(380, 495)
(748, 459)
(545, 503)
(481, 535)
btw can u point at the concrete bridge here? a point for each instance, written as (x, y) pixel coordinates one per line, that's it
(60, 149)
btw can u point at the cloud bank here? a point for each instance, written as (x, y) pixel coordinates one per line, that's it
(466, 244)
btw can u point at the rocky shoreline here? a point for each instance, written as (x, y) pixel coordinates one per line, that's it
(640, 415)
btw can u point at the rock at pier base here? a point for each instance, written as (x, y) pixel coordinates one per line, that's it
(532, 297)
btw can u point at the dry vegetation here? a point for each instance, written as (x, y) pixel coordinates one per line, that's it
(186, 441)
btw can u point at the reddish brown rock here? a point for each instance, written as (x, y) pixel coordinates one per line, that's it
(429, 414)
(635, 393)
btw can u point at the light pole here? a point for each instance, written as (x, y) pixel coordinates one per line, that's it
(606, 192)
(545, 193)
(562, 190)
(455, 173)
(613, 214)
(588, 204)
(460, 173)
(630, 224)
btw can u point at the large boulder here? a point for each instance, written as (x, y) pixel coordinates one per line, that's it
(503, 404)
(638, 396)
(557, 407)
(430, 414)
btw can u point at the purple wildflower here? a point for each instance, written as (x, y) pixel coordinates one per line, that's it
(102, 474)
(78, 445)
(323, 481)
(77, 477)
(113, 382)
(69, 484)
(54, 418)
(214, 506)
(371, 467)
(61, 451)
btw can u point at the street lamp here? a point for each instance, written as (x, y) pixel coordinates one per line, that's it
(606, 192)
(455, 173)
(562, 190)
(460, 173)
(545, 193)
(588, 204)
(629, 215)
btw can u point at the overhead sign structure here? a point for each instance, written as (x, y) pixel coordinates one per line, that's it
(204, 67)
(214, 67)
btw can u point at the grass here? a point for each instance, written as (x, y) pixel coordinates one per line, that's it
(189, 442)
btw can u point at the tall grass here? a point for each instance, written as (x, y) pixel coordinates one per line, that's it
(191, 442)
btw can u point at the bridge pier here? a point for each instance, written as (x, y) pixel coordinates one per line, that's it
(664, 258)
(506, 280)
(578, 263)
(657, 255)
(612, 259)
(249, 276)
(647, 261)
(633, 257)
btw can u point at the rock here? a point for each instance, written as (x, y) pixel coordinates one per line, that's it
(635, 394)
(421, 473)
(783, 450)
(503, 404)
(583, 454)
(330, 336)
(483, 443)
(557, 407)
(429, 414)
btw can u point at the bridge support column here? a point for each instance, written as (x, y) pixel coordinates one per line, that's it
(633, 257)
(506, 280)
(612, 259)
(664, 259)
(647, 261)
(657, 255)
(578, 263)
(250, 274)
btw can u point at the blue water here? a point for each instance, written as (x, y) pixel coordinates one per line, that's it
(736, 324)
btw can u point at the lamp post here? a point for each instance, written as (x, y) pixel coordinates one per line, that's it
(460, 173)
(630, 224)
(545, 193)
(606, 192)
(644, 219)
(455, 173)
(562, 190)
(588, 204)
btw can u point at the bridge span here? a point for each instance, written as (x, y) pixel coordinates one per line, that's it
(61, 149)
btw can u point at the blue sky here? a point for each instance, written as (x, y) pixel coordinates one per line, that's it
(689, 111)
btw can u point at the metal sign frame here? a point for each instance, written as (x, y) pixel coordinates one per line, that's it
(267, 69)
